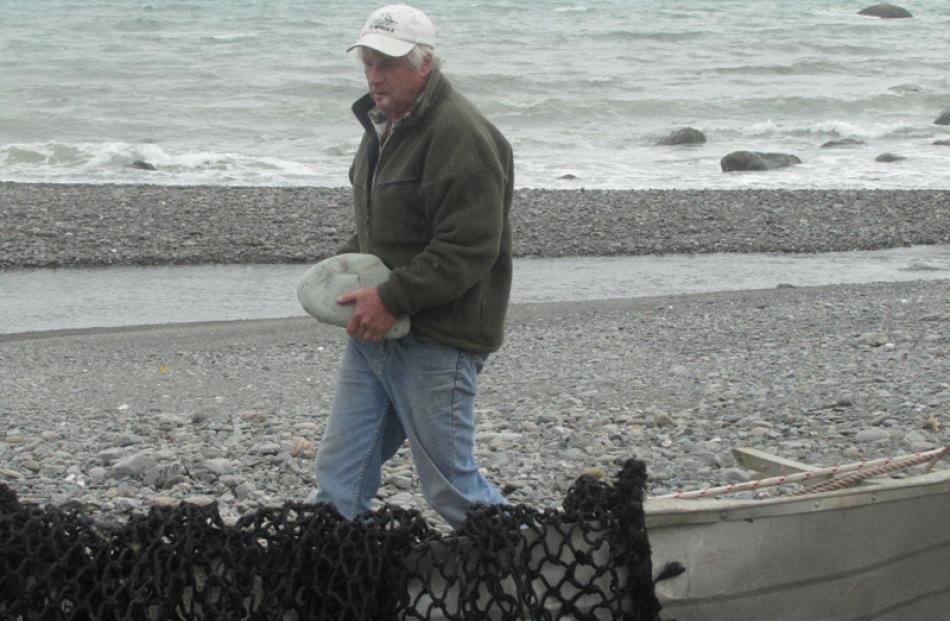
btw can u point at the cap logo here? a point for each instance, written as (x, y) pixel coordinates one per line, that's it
(385, 23)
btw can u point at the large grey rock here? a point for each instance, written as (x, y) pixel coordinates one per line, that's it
(684, 135)
(889, 157)
(755, 160)
(326, 281)
(844, 142)
(886, 11)
(943, 119)
(942, 143)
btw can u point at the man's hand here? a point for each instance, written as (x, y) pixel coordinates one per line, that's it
(371, 319)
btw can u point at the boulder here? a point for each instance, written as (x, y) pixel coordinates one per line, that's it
(683, 135)
(754, 160)
(844, 142)
(326, 281)
(889, 157)
(143, 165)
(886, 11)
(942, 143)
(943, 119)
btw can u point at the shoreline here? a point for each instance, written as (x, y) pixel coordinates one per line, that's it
(84, 225)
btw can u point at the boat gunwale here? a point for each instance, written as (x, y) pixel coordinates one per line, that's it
(671, 512)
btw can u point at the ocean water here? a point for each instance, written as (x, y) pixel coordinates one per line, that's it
(255, 92)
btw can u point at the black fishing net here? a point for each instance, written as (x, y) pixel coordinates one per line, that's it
(298, 561)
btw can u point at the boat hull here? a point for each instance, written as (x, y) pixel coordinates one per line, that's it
(880, 551)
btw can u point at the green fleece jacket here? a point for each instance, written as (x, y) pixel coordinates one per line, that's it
(436, 211)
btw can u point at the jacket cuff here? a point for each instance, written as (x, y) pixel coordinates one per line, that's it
(391, 299)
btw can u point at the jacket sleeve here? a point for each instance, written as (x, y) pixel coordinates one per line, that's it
(351, 245)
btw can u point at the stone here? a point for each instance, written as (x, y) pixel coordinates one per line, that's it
(941, 143)
(401, 482)
(125, 439)
(593, 473)
(133, 465)
(302, 447)
(266, 448)
(886, 11)
(497, 440)
(404, 500)
(844, 142)
(127, 505)
(756, 161)
(875, 434)
(162, 501)
(199, 500)
(167, 422)
(253, 416)
(684, 135)
(97, 474)
(889, 157)
(326, 281)
(943, 119)
(734, 475)
(52, 471)
(853, 452)
(143, 165)
(873, 339)
(109, 456)
(165, 475)
(11, 474)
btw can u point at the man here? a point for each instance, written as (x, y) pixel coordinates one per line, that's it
(432, 187)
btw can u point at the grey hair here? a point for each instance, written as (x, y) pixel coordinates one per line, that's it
(417, 55)
(414, 58)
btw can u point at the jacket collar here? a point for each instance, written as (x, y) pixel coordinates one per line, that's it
(437, 87)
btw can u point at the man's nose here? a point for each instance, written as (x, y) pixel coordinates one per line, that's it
(373, 73)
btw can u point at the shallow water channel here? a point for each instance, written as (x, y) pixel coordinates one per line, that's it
(53, 299)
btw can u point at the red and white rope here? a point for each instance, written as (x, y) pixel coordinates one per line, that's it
(856, 477)
(891, 463)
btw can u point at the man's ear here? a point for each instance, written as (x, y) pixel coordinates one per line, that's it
(426, 68)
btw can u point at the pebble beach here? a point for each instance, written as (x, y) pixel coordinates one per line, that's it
(119, 420)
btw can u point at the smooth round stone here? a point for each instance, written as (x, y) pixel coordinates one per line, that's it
(325, 282)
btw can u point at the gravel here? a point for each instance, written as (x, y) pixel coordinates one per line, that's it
(118, 420)
(52, 225)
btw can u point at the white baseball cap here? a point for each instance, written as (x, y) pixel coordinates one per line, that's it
(395, 29)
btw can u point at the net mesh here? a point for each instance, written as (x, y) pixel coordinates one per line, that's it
(300, 561)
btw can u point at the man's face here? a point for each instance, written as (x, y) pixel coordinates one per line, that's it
(393, 83)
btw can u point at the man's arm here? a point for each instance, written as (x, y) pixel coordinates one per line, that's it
(351, 245)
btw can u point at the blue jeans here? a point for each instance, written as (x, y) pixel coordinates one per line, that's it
(392, 390)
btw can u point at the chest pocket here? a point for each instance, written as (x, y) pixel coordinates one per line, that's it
(399, 214)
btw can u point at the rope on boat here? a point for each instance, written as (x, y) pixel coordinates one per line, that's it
(854, 478)
(892, 463)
